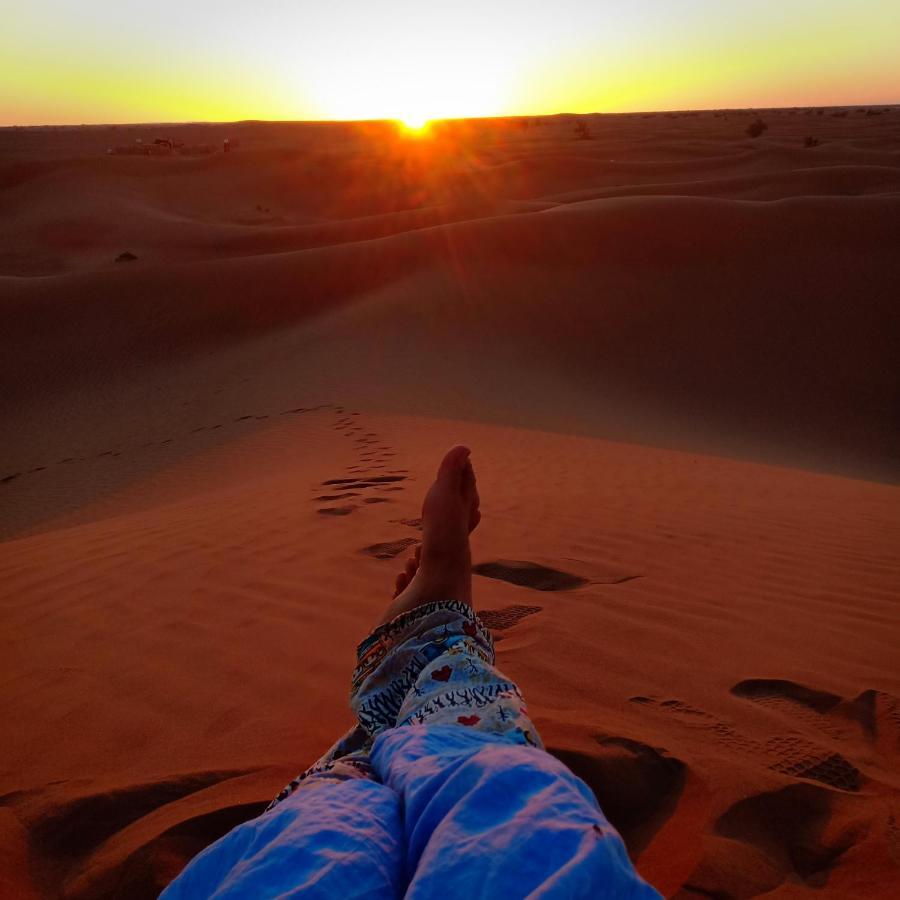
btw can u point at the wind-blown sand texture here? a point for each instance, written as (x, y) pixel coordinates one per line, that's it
(673, 350)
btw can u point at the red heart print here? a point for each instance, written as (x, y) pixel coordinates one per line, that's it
(468, 720)
(470, 629)
(442, 674)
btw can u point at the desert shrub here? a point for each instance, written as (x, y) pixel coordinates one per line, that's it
(582, 130)
(811, 142)
(756, 128)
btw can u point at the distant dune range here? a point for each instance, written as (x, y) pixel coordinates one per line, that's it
(674, 351)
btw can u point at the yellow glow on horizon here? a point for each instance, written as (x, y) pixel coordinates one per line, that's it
(424, 83)
(83, 61)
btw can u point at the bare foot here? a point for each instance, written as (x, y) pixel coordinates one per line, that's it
(442, 567)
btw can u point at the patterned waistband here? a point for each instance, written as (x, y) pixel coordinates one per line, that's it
(384, 638)
(391, 630)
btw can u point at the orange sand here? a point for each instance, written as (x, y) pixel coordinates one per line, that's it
(673, 351)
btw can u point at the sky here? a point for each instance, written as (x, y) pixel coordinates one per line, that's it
(97, 61)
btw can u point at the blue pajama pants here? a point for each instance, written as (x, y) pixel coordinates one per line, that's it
(441, 789)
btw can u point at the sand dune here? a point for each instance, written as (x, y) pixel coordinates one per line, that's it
(653, 338)
(673, 351)
(823, 180)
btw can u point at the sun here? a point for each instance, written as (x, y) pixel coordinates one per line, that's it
(414, 124)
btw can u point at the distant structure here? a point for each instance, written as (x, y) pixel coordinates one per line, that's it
(161, 147)
(165, 144)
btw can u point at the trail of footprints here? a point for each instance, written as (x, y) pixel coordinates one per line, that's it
(368, 480)
(345, 494)
(249, 417)
(365, 477)
(873, 714)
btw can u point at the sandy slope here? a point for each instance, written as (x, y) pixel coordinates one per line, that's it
(186, 568)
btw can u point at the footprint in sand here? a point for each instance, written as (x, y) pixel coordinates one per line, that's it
(791, 755)
(788, 829)
(83, 824)
(793, 700)
(378, 479)
(409, 523)
(530, 575)
(507, 617)
(873, 714)
(800, 759)
(388, 549)
(638, 786)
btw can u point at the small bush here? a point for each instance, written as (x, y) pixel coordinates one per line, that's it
(811, 142)
(582, 131)
(756, 128)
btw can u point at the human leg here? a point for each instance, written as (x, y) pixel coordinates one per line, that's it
(486, 811)
(332, 837)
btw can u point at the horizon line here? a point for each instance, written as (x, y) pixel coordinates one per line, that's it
(386, 119)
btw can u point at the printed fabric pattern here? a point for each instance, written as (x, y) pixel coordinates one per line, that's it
(433, 664)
